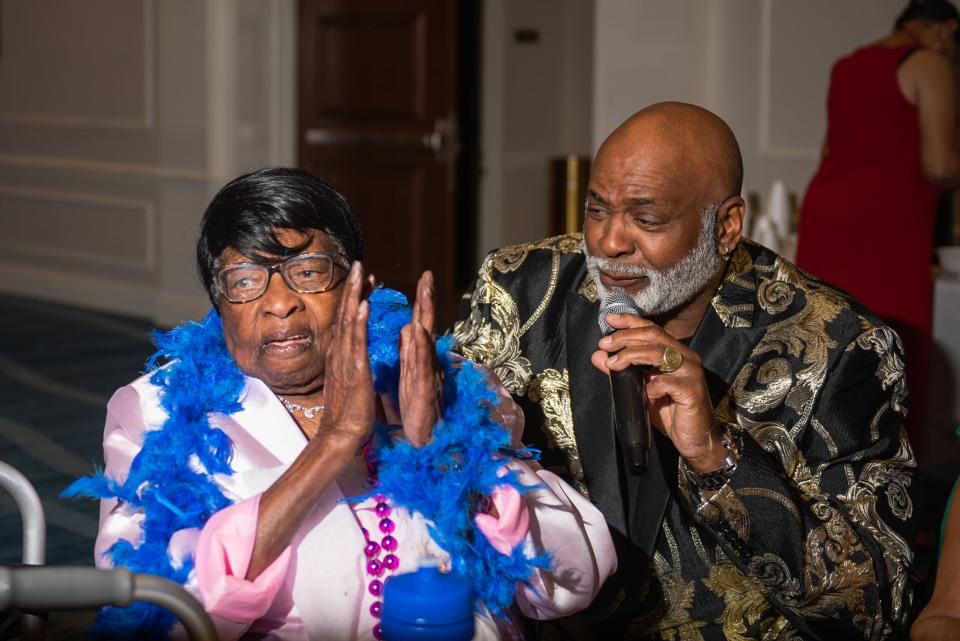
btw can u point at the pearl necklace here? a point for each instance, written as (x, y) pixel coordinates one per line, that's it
(308, 412)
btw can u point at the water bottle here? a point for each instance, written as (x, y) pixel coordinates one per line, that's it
(427, 605)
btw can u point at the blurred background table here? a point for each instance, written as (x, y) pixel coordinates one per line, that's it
(940, 443)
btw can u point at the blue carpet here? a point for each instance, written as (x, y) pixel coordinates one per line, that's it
(58, 368)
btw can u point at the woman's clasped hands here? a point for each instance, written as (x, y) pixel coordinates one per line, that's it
(350, 402)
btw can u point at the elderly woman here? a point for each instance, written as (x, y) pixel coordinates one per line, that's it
(227, 468)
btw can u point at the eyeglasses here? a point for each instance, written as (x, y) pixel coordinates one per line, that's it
(306, 274)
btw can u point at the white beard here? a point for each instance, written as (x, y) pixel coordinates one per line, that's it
(674, 286)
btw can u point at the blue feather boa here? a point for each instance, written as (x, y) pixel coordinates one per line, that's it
(443, 480)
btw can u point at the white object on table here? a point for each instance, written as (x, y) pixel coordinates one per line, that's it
(765, 233)
(778, 209)
(940, 442)
(788, 247)
(949, 258)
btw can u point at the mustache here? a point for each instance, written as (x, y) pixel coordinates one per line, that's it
(612, 266)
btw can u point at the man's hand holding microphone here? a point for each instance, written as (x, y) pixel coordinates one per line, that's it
(676, 396)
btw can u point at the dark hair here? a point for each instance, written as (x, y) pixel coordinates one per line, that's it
(248, 210)
(927, 11)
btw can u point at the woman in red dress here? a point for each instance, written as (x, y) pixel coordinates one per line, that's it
(866, 224)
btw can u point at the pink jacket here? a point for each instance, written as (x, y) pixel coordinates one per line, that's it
(317, 588)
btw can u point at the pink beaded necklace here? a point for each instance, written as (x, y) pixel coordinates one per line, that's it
(372, 550)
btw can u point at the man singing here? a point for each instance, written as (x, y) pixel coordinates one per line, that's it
(779, 496)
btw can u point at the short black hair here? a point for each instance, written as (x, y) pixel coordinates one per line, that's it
(246, 213)
(928, 11)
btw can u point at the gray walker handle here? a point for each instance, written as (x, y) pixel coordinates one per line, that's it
(76, 588)
(36, 587)
(34, 535)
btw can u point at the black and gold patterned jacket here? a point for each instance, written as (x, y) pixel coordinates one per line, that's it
(811, 538)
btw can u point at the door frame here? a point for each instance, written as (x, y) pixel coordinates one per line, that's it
(471, 20)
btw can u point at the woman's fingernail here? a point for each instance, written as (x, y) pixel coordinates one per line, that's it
(355, 271)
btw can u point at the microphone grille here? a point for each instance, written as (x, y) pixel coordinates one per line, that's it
(616, 301)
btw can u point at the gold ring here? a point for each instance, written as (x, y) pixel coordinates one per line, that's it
(671, 360)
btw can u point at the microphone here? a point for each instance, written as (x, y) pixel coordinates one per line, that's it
(628, 390)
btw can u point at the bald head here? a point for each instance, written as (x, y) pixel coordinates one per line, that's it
(687, 141)
(663, 211)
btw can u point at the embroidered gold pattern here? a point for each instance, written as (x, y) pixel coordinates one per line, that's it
(729, 313)
(744, 604)
(508, 259)
(882, 340)
(671, 599)
(776, 497)
(775, 296)
(588, 289)
(861, 500)
(494, 344)
(547, 297)
(802, 337)
(738, 269)
(773, 398)
(837, 571)
(780, 630)
(551, 389)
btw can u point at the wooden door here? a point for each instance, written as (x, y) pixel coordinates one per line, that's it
(377, 100)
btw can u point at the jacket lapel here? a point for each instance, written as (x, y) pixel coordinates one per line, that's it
(263, 432)
(592, 416)
(622, 496)
(649, 493)
(725, 345)
(723, 352)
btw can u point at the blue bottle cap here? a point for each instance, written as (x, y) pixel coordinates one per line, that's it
(427, 597)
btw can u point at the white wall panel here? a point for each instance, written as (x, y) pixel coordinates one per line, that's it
(762, 65)
(799, 42)
(51, 227)
(536, 105)
(118, 120)
(646, 51)
(78, 64)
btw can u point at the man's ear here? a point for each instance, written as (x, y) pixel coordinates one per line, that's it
(729, 225)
